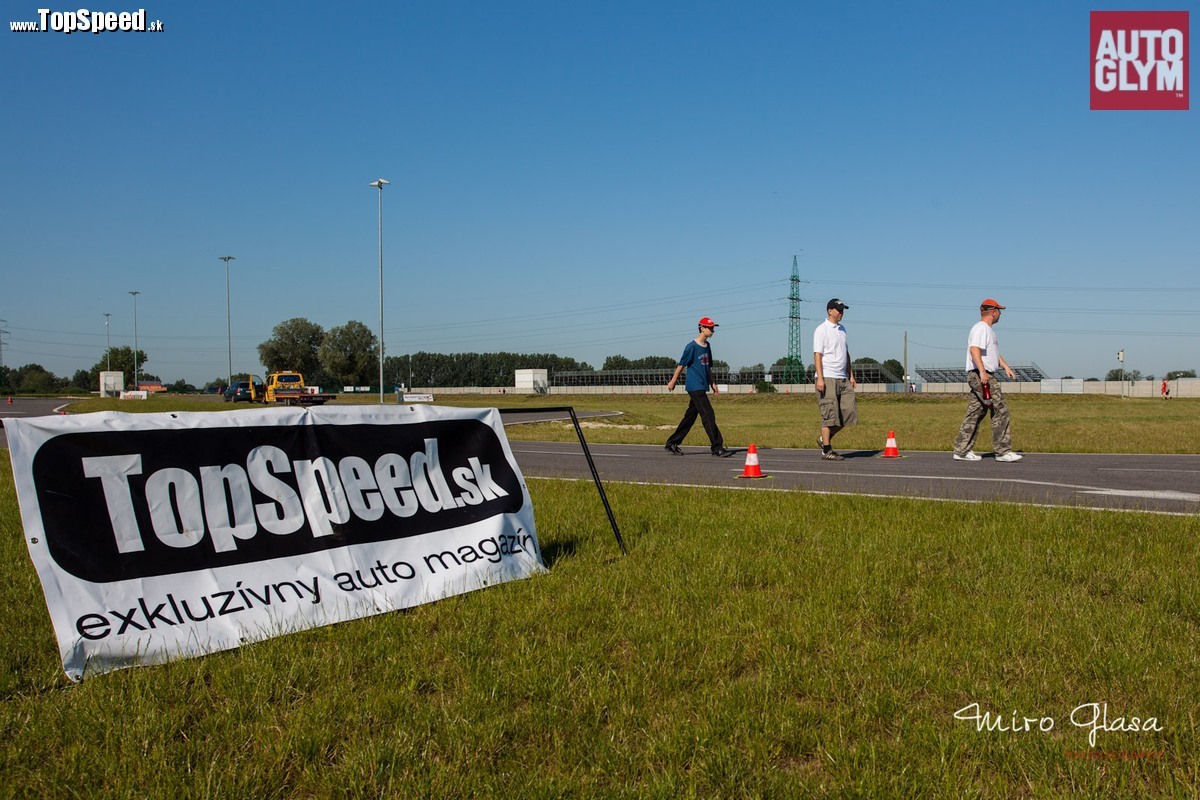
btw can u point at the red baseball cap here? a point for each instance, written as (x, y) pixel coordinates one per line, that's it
(706, 322)
(989, 303)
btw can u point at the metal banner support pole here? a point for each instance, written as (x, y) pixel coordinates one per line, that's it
(587, 455)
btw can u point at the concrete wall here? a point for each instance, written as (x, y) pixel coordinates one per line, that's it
(1183, 387)
(802, 388)
(111, 383)
(1180, 388)
(532, 380)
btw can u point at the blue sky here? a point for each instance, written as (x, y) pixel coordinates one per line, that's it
(589, 178)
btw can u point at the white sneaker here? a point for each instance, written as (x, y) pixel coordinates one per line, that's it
(1010, 456)
(970, 455)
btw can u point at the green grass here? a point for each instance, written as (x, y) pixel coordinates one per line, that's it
(768, 644)
(1040, 423)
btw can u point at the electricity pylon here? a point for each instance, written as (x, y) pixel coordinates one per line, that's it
(793, 371)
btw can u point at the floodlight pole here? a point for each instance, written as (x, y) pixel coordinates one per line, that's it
(107, 344)
(1121, 359)
(135, 347)
(228, 324)
(379, 184)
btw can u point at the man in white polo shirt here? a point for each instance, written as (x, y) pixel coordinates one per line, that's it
(983, 359)
(834, 378)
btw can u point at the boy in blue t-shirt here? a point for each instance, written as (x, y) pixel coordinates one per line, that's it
(697, 360)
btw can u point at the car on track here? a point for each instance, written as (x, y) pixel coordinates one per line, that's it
(240, 391)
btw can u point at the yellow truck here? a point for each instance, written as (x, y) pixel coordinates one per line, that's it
(287, 388)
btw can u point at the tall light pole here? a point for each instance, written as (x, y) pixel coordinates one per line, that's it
(228, 325)
(135, 347)
(379, 184)
(107, 344)
(1121, 359)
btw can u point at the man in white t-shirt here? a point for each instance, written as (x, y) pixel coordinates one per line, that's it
(983, 360)
(834, 375)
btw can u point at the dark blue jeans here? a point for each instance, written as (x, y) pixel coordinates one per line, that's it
(699, 406)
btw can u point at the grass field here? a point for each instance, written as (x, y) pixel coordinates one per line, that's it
(765, 644)
(1041, 423)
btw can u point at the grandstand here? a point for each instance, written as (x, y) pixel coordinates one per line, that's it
(873, 373)
(863, 373)
(643, 377)
(1030, 373)
(611, 377)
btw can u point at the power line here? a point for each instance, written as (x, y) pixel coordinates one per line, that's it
(974, 287)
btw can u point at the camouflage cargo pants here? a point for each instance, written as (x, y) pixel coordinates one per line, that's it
(976, 411)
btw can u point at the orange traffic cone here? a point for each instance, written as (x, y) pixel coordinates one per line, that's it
(890, 450)
(752, 470)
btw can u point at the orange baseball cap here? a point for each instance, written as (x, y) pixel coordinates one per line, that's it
(989, 303)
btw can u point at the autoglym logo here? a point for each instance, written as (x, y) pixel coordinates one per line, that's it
(1139, 61)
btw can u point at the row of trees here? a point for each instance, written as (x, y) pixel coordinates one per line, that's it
(348, 355)
(1136, 375)
(36, 379)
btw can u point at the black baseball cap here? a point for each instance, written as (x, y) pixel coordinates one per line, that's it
(835, 303)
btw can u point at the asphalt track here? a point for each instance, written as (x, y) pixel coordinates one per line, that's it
(1164, 484)
(1158, 483)
(25, 407)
